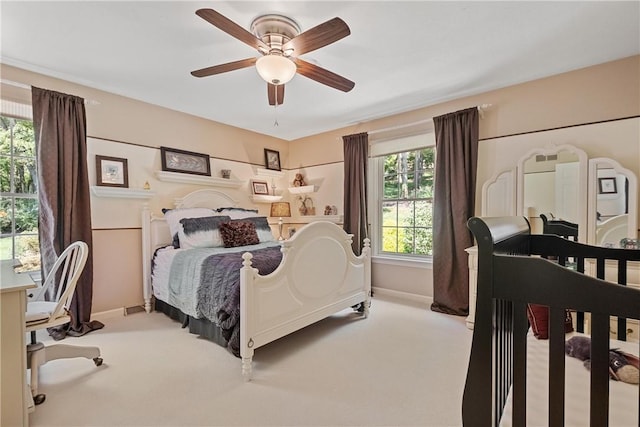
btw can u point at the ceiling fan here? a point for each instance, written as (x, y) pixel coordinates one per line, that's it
(279, 40)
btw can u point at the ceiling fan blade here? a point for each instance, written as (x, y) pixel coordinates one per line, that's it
(318, 36)
(231, 28)
(274, 92)
(223, 68)
(323, 76)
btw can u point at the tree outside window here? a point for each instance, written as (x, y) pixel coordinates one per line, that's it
(19, 193)
(407, 202)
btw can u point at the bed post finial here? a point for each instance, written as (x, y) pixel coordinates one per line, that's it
(146, 257)
(246, 259)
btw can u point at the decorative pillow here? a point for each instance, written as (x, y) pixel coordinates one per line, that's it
(538, 316)
(173, 217)
(238, 233)
(201, 232)
(262, 228)
(238, 213)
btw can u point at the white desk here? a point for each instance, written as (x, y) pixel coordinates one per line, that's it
(14, 391)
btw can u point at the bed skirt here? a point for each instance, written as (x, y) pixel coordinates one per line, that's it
(201, 327)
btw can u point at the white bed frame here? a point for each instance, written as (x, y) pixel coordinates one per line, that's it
(319, 275)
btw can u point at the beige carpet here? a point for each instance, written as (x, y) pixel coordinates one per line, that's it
(404, 365)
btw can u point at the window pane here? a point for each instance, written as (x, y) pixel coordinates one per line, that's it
(407, 161)
(23, 138)
(389, 239)
(424, 214)
(391, 164)
(6, 247)
(409, 191)
(405, 236)
(424, 241)
(389, 214)
(5, 171)
(6, 215)
(24, 175)
(390, 187)
(425, 186)
(28, 251)
(26, 215)
(405, 214)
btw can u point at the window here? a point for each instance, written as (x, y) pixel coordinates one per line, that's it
(406, 208)
(401, 178)
(19, 193)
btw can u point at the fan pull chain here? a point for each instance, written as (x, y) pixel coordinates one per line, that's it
(275, 106)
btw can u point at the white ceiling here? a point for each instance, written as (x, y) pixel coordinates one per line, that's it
(401, 55)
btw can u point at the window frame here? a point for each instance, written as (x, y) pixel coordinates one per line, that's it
(12, 195)
(376, 189)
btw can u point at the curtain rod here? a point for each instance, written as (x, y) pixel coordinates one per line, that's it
(480, 108)
(28, 87)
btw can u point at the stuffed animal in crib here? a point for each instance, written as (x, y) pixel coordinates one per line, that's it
(622, 366)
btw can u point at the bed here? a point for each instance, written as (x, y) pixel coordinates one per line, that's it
(610, 231)
(316, 276)
(514, 378)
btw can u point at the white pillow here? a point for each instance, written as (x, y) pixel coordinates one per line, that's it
(201, 232)
(173, 217)
(238, 213)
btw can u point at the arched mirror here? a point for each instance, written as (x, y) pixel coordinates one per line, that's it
(599, 195)
(499, 195)
(553, 180)
(612, 203)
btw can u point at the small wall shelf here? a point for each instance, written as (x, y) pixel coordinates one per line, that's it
(197, 179)
(263, 198)
(123, 193)
(302, 190)
(312, 218)
(270, 173)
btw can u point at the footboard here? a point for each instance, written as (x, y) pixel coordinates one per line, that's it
(509, 278)
(319, 275)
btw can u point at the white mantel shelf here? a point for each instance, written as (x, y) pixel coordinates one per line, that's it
(312, 218)
(270, 173)
(197, 179)
(122, 193)
(263, 198)
(305, 189)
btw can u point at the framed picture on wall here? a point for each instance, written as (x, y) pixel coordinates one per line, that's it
(272, 159)
(174, 160)
(112, 171)
(260, 188)
(607, 186)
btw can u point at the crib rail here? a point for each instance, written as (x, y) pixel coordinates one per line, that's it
(509, 278)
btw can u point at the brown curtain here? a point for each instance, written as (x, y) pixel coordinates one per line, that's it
(65, 212)
(356, 154)
(454, 204)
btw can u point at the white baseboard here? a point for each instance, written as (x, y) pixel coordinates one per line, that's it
(109, 314)
(422, 299)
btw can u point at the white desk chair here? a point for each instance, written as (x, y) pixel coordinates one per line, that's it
(46, 314)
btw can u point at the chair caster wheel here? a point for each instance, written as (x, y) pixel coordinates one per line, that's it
(39, 398)
(97, 361)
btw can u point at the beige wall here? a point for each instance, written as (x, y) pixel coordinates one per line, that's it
(604, 92)
(124, 127)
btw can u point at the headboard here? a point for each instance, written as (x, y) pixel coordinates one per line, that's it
(155, 231)
(509, 278)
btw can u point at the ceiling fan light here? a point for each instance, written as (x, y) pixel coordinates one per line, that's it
(275, 69)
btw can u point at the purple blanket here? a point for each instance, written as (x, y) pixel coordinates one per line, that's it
(219, 291)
